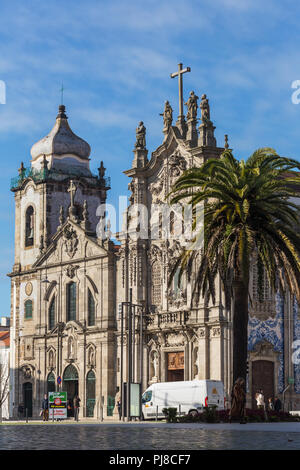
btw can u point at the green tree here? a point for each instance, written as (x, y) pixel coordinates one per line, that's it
(249, 212)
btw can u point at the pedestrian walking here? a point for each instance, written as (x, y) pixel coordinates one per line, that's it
(69, 408)
(119, 405)
(76, 404)
(45, 407)
(21, 410)
(277, 404)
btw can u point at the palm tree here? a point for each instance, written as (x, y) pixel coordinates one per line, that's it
(249, 213)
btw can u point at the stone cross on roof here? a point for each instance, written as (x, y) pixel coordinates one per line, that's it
(180, 72)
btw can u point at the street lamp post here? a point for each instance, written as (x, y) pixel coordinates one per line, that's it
(131, 315)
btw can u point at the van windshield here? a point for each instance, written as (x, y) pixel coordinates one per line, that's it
(147, 396)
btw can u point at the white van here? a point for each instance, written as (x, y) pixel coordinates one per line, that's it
(188, 397)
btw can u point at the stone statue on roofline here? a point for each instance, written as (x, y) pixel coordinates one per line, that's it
(140, 136)
(192, 106)
(205, 112)
(167, 115)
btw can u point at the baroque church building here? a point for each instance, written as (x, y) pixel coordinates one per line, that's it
(69, 279)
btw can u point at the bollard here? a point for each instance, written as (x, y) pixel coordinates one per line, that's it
(156, 414)
(179, 410)
(101, 413)
(52, 415)
(26, 415)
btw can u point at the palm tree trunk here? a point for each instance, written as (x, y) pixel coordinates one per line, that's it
(240, 330)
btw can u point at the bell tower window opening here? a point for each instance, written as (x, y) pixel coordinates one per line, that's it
(28, 309)
(29, 227)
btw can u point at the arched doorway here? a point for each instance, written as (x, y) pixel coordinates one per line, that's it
(90, 393)
(27, 398)
(70, 385)
(262, 379)
(51, 382)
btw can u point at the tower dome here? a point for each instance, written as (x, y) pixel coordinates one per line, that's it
(61, 147)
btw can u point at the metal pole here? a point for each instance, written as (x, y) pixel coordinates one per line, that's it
(283, 396)
(133, 344)
(121, 368)
(129, 351)
(141, 361)
(26, 415)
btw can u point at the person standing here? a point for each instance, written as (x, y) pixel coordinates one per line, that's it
(45, 407)
(277, 404)
(238, 401)
(270, 404)
(119, 405)
(76, 403)
(21, 410)
(260, 400)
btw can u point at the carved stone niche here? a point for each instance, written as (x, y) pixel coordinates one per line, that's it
(28, 348)
(91, 356)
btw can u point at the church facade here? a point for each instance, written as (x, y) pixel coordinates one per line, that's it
(69, 278)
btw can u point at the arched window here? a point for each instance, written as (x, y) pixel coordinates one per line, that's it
(70, 374)
(71, 301)
(52, 314)
(91, 309)
(28, 309)
(29, 226)
(90, 393)
(51, 382)
(156, 283)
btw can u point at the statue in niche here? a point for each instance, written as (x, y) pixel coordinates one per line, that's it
(91, 357)
(51, 359)
(155, 362)
(71, 348)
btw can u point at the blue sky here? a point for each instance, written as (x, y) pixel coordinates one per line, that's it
(115, 59)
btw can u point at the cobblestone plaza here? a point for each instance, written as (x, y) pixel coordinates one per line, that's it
(156, 436)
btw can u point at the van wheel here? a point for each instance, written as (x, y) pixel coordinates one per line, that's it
(193, 413)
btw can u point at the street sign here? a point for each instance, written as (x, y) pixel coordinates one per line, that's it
(291, 380)
(58, 380)
(58, 405)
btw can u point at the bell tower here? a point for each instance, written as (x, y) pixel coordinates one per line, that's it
(41, 192)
